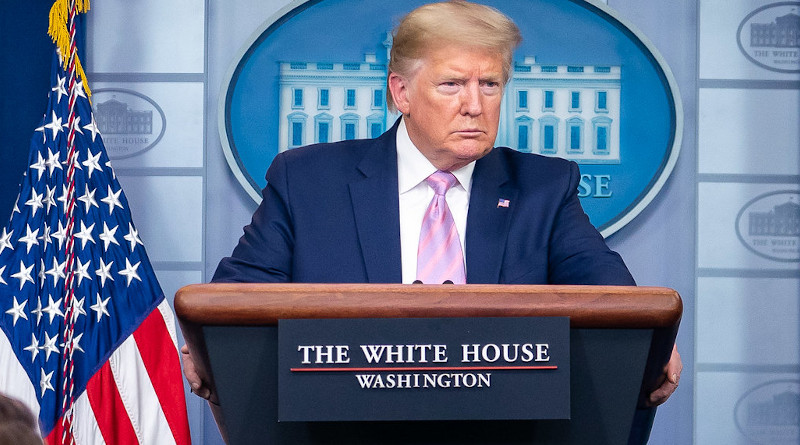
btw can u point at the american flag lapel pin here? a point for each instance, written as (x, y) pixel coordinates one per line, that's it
(503, 203)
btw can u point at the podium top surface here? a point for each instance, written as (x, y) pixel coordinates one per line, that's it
(587, 306)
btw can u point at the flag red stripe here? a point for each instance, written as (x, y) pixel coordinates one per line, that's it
(160, 358)
(55, 436)
(113, 420)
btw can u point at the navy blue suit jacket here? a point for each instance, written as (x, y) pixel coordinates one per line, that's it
(330, 214)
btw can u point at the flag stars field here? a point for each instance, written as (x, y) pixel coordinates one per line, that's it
(52, 161)
(35, 202)
(45, 236)
(45, 382)
(112, 200)
(30, 238)
(24, 274)
(77, 307)
(76, 343)
(49, 345)
(5, 240)
(17, 311)
(100, 308)
(39, 166)
(56, 127)
(82, 271)
(88, 199)
(132, 237)
(130, 271)
(85, 235)
(42, 274)
(104, 272)
(93, 163)
(50, 199)
(60, 234)
(60, 88)
(33, 348)
(57, 271)
(53, 309)
(92, 126)
(107, 237)
(38, 313)
(63, 197)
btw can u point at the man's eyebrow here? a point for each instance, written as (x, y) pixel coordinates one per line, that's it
(453, 75)
(450, 79)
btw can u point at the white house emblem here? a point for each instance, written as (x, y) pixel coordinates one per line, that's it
(130, 122)
(768, 413)
(770, 37)
(769, 225)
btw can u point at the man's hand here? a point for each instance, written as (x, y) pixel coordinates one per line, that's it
(673, 375)
(191, 375)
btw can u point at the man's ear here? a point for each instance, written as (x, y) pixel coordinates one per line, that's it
(398, 86)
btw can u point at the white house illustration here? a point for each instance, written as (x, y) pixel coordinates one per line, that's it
(570, 111)
(328, 102)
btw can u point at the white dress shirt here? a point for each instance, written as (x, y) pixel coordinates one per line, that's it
(415, 196)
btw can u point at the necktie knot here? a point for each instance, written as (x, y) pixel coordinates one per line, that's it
(441, 181)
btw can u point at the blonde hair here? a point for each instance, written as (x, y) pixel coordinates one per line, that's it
(456, 22)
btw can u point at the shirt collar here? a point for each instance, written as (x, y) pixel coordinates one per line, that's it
(413, 167)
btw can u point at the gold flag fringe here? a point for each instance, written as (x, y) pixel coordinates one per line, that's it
(59, 32)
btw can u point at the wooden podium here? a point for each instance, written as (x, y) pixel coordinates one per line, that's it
(620, 340)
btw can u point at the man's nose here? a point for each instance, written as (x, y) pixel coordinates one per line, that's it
(471, 100)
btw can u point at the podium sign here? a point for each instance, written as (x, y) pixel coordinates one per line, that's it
(424, 369)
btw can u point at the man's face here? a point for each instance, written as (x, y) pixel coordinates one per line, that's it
(451, 104)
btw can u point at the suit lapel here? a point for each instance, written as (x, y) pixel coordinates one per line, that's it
(377, 211)
(488, 220)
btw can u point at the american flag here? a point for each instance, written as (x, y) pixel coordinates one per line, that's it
(123, 382)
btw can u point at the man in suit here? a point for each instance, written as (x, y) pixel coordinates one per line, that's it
(331, 214)
(356, 211)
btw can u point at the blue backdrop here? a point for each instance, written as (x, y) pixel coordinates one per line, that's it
(25, 56)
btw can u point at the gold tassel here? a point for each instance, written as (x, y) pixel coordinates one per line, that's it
(83, 78)
(59, 14)
(59, 32)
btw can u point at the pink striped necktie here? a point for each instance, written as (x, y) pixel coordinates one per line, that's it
(439, 256)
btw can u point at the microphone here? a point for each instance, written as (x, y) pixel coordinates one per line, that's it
(448, 282)
(417, 282)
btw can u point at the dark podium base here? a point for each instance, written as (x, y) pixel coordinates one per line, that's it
(244, 365)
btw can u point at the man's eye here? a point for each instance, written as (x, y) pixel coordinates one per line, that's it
(448, 87)
(491, 88)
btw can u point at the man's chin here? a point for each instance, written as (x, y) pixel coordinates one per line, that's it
(470, 154)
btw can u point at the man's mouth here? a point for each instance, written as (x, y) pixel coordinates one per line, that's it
(470, 132)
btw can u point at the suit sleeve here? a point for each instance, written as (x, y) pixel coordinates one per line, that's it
(578, 254)
(264, 252)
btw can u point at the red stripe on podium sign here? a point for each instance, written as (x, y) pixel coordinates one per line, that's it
(448, 368)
